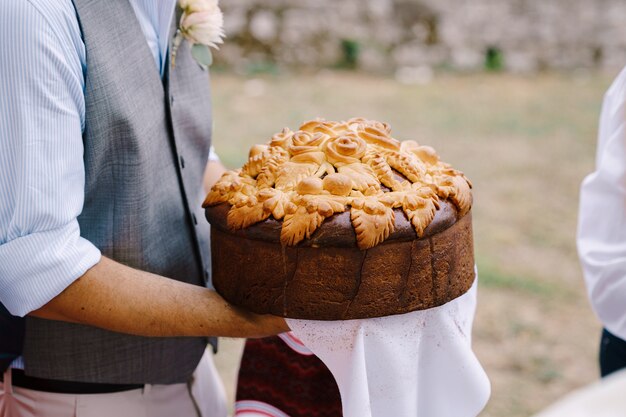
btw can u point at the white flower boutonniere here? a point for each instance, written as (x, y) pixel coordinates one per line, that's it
(202, 25)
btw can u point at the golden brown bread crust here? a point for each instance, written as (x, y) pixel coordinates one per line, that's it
(336, 231)
(342, 283)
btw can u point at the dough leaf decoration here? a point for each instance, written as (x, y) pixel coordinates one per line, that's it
(255, 164)
(422, 216)
(225, 188)
(307, 212)
(246, 215)
(392, 199)
(457, 189)
(463, 195)
(325, 205)
(407, 165)
(383, 172)
(362, 176)
(328, 167)
(274, 201)
(299, 225)
(373, 222)
(420, 207)
(269, 172)
(245, 196)
(291, 173)
(316, 157)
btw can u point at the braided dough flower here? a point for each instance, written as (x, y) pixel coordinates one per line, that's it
(282, 139)
(346, 149)
(302, 142)
(326, 167)
(319, 125)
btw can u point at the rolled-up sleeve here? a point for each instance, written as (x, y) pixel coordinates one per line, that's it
(602, 215)
(42, 174)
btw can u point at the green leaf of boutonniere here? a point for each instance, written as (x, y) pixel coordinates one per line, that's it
(202, 54)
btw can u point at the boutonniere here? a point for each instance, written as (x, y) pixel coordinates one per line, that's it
(201, 23)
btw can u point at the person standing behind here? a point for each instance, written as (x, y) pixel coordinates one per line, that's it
(103, 247)
(601, 234)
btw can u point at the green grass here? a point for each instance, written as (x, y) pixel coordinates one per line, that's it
(491, 276)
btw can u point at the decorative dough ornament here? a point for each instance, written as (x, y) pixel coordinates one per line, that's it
(304, 177)
(339, 221)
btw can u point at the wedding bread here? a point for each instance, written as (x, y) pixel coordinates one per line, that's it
(339, 220)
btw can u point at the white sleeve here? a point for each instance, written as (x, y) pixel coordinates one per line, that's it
(601, 235)
(42, 175)
(213, 156)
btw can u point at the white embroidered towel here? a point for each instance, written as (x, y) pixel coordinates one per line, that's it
(418, 364)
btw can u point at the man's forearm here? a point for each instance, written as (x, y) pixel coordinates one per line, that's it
(115, 297)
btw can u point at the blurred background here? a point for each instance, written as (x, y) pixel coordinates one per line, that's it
(508, 91)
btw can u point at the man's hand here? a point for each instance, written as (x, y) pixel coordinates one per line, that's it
(116, 297)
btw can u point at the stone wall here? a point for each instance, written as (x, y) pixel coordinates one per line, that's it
(413, 36)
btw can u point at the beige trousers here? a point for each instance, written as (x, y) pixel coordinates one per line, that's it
(204, 396)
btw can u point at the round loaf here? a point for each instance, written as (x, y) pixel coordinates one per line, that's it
(327, 277)
(340, 221)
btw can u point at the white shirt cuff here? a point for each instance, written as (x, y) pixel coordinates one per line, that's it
(213, 156)
(37, 267)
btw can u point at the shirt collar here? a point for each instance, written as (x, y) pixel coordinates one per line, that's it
(155, 17)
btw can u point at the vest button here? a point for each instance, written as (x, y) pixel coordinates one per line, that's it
(182, 162)
(171, 101)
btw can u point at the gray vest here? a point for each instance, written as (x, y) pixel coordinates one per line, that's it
(146, 146)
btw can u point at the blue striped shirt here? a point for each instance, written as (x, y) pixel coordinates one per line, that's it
(42, 117)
